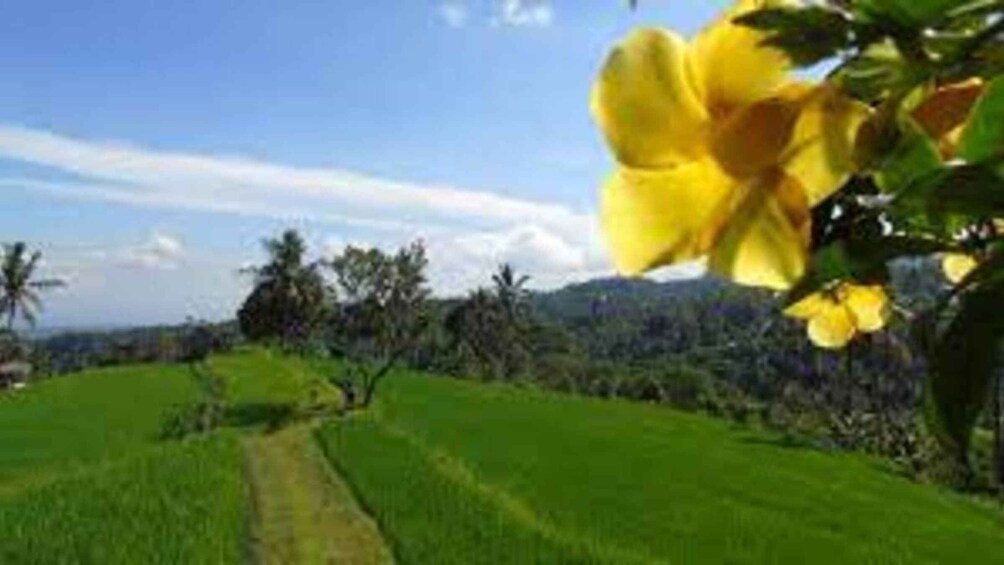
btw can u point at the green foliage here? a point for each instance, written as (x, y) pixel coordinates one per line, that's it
(983, 139)
(906, 13)
(19, 286)
(936, 195)
(491, 329)
(810, 34)
(203, 414)
(965, 358)
(380, 315)
(460, 472)
(289, 298)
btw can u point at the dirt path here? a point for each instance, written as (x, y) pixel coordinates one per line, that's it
(304, 512)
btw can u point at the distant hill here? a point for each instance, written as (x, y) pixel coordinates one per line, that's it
(620, 296)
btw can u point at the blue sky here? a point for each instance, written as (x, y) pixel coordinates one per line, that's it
(146, 147)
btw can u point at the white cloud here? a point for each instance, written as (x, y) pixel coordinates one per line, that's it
(129, 174)
(134, 284)
(468, 232)
(455, 13)
(523, 13)
(160, 252)
(464, 261)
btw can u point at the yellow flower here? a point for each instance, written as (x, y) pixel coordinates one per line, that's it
(719, 154)
(836, 316)
(957, 266)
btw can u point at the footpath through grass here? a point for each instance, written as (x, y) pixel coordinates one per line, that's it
(459, 472)
(304, 513)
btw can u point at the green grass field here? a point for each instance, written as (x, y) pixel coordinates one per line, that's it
(85, 479)
(86, 476)
(180, 503)
(60, 424)
(458, 472)
(451, 471)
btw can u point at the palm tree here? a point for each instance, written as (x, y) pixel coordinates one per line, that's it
(510, 291)
(18, 286)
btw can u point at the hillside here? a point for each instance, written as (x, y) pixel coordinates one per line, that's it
(460, 472)
(451, 471)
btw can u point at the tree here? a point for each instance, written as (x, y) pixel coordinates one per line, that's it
(492, 325)
(379, 316)
(510, 290)
(474, 327)
(19, 289)
(289, 297)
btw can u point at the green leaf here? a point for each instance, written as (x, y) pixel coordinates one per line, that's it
(954, 194)
(807, 35)
(963, 362)
(907, 13)
(983, 138)
(914, 157)
(871, 75)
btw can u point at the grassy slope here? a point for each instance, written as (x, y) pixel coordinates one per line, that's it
(67, 422)
(180, 503)
(83, 477)
(459, 472)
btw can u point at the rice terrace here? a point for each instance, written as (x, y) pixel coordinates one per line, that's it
(450, 472)
(502, 282)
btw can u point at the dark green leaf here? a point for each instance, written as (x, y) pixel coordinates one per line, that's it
(970, 192)
(983, 138)
(907, 13)
(807, 35)
(963, 361)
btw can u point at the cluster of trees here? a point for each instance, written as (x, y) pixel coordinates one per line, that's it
(364, 306)
(696, 345)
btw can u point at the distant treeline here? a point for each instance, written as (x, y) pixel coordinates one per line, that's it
(74, 351)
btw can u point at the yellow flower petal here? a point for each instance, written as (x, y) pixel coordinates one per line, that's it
(821, 151)
(646, 103)
(957, 266)
(868, 304)
(733, 68)
(765, 242)
(658, 217)
(751, 139)
(832, 328)
(809, 306)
